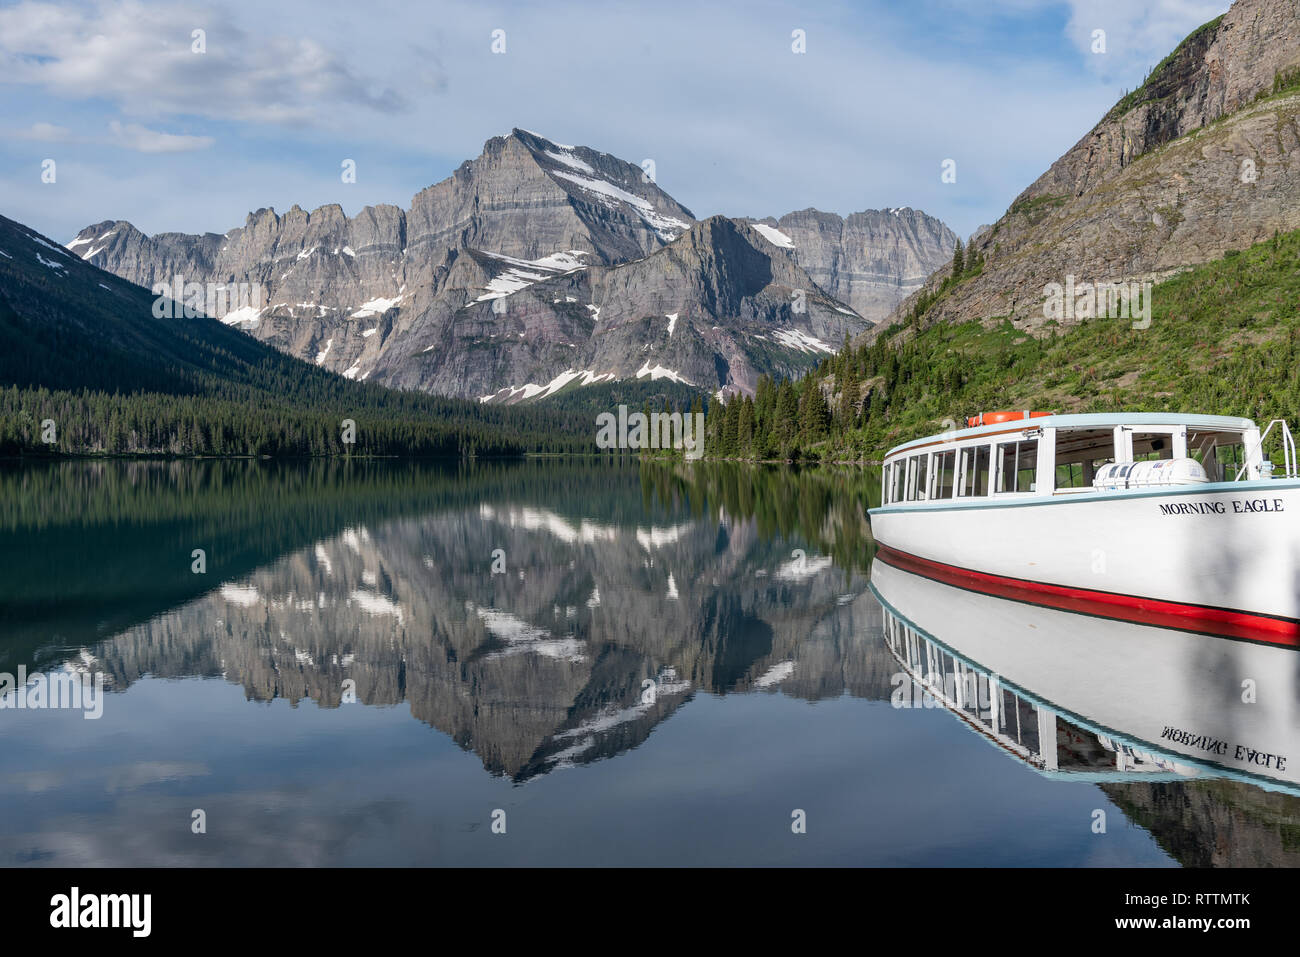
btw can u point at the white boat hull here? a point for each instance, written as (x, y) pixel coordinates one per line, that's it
(1227, 547)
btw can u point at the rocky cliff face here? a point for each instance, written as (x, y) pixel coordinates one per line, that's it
(716, 308)
(537, 267)
(870, 260)
(1196, 162)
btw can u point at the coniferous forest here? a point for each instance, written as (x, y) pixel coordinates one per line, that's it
(87, 368)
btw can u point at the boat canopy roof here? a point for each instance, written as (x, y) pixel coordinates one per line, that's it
(1095, 420)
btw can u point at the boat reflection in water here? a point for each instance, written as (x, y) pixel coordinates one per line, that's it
(1089, 698)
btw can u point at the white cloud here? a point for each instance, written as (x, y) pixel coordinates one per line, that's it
(134, 137)
(735, 122)
(140, 57)
(131, 136)
(1139, 33)
(44, 133)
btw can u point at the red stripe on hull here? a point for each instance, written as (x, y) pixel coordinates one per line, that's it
(1220, 622)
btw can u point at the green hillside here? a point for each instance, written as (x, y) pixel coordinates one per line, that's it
(1224, 339)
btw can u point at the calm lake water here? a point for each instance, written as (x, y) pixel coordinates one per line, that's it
(358, 664)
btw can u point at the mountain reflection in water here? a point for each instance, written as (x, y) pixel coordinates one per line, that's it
(541, 617)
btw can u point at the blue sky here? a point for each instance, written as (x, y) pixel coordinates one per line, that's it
(143, 128)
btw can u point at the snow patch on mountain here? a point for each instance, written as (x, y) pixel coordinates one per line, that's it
(659, 372)
(91, 240)
(531, 391)
(244, 314)
(774, 235)
(563, 146)
(54, 249)
(522, 273)
(375, 307)
(798, 339)
(668, 227)
(571, 161)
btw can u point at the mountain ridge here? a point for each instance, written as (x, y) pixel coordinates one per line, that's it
(527, 211)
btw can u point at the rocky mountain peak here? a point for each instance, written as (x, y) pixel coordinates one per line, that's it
(264, 216)
(1192, 164)
(871, 260)
(539, 264)
(1218, 69)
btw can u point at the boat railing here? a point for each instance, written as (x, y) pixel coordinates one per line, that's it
(1288, 450)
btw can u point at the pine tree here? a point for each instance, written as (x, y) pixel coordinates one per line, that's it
(764, 403)
(745, 427)
(958, 262)
(785, 415)
(814, 415)
(730, 422)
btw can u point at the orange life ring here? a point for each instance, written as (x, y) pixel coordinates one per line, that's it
(991, 418)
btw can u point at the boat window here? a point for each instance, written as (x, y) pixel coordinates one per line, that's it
(1148, 446)
(900, 476)
(916, 486)
(1070, 475)
(1220, 453)
(945, 473)
(1080, 453)
(975, 461)
(1017, 466)
(1231, 456)
(1201, 448)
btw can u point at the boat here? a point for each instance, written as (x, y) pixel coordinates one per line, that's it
(1175, 520)
(1047, 688)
